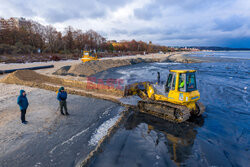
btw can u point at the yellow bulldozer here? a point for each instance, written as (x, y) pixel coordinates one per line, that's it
(176, 100)
(89, 56)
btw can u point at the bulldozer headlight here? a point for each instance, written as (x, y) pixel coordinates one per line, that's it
(181, 97)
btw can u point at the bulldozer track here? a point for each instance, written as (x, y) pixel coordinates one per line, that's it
(165, 110)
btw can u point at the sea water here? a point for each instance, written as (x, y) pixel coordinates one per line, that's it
(220, 138)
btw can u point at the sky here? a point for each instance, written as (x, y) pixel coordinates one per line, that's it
(167, 22)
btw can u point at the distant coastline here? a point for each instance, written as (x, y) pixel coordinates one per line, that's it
(225, 50)
(216, 48)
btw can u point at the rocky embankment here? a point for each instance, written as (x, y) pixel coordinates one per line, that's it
(93, 67)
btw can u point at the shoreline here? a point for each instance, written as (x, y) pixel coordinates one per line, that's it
(92, 67)
(6, 66)
(43, 117)
(61, 57)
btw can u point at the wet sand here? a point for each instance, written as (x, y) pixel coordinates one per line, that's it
(49, 139)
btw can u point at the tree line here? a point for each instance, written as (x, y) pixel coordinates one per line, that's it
(35, 38)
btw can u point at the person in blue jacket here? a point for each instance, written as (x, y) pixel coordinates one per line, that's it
(62, 96)
(23, 103)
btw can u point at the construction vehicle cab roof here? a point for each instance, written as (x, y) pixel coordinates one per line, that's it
(182, 71)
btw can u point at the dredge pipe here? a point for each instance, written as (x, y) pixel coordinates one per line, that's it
(29, 68)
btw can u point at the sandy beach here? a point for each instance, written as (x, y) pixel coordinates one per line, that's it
(43, 114)
(48, 133)
(40, 115)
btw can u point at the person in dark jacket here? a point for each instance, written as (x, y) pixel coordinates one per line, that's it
(158, 77)
(62, 96)
(23, 103)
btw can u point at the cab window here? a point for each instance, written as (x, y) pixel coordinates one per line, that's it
(181, 86)
(169, 81)
(173, 83)
(191, 82)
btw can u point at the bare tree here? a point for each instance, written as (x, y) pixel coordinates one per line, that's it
(51, 38)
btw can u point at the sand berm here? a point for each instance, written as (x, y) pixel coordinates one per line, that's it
(81, 87)
(93, 67)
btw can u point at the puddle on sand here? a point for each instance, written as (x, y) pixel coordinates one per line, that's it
(149, 141)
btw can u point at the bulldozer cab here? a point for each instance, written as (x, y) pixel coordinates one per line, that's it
(181, 80)
(88, 56)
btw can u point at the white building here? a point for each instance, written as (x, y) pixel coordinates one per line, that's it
(12, 23)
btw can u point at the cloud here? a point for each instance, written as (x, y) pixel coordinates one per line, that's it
(61, 10)
(148, 12)
(168, 22)
(238, 42)
(53, 16)
(230, 23)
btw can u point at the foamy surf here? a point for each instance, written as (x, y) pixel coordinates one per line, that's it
(165, 63)
(131, 100)
(102, 130)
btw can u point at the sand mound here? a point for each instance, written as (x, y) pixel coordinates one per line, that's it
(93, 67)
(63, 70)
(30, 78)
(33, 79)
